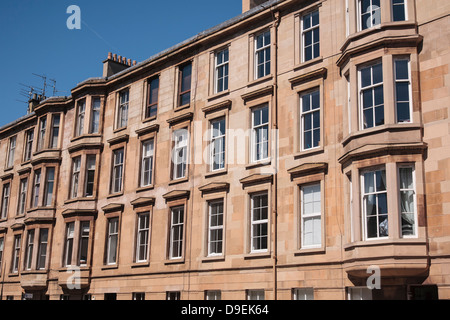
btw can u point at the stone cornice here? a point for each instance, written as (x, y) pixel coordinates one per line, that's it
(214, 187)
(308, 169)
(176, 194)
(143, 201)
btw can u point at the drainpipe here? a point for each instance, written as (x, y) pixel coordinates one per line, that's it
(276, 22)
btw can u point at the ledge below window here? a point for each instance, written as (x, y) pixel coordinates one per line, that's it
(258, 255)
(308, 251)
(213, 259)
(174, 261)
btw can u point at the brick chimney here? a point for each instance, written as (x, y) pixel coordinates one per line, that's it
(114, 64)
(250, 4)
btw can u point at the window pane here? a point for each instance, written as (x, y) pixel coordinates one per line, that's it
(401, 70)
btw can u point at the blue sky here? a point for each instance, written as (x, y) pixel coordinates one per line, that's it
(34, 38)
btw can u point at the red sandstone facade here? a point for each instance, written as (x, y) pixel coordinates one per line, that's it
(294, 152)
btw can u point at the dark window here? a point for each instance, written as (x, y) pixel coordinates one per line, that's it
(185, 85)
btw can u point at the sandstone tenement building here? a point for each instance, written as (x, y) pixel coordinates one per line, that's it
(291, 152)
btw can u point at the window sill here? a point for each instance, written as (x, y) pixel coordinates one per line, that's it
(384, 242)
(114, 195)
(218, 95)
(110, 267)
(80, 199)
(26, 162)
(13, 274)
(258, 164)
(40, 209)
(216, 173)
(181, 180)
(174, 261)
(306, 251)
(260, 80)
(179, 108)
(213, 259)
(69, 268)
(149, 119)
(8, 169)
(27, 272)
(83, 136)
(309, 152)
(140, 264)
(258, 255)
(146, 188)
(381, 128)
(119, 129)
(308, 63)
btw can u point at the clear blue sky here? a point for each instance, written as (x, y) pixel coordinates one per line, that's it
(34, 38)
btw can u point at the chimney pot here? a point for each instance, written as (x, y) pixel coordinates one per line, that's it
(134, 62)
(109, 55)
(115, 56)
(129, 62)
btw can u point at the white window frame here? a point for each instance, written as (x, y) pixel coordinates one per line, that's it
(22, 201)
(76, 168)
(224, 65)
(48, 194)
(94, 126)
(360, 13)
(16, 253)
(180, 145)
(81, 111)
(36, 188)
(302, 120)
(84, 236)
(145, 231)
(42, 249)
(256, 294)
(29, 250)
(408, 81)
(363, 202)
(176, 232)
(413, 172)
(53, 141)
(69, 244)
(372, 87)
(123, 108)
(90, 167)
(310, 29)
(6, 193)
(213, 295)
(217, 228)
(11, 151)
(303, 294)
(117, 170)
(216, 135)
(42, 132)
(112, 232)
(29, 137)
(313, 215)
(256, 131)
(253, 223)
(148, 151)
(262, 50)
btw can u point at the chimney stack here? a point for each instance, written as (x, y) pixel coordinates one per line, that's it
(33, 102)
(116, 63)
